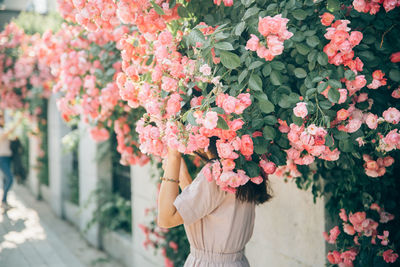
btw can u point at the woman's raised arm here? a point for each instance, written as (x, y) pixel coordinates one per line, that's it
(168, 216)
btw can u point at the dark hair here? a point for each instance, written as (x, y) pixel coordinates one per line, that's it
(249, 192)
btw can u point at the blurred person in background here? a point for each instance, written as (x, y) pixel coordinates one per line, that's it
(5, 158)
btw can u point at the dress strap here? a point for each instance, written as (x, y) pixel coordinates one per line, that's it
(215, 257)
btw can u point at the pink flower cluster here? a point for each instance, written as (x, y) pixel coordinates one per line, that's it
(222, 171)
(127, 147)
(274, 30)
(373, 6)
(310, 139)
(21, 68)
(378, 80)
(108, 15)
(340, 48)
(357, 225)
(376, 168)
(93, 15)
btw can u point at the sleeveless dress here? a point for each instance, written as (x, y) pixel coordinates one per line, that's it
(218, 226)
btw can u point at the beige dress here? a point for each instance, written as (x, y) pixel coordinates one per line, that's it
(217, 225)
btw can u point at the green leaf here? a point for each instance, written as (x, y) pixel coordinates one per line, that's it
(335, 83)
(322, 86)
(240, 28)
(317, 79)
(260, 145)
(269, 133)
(157, 8)
(247, 3)
(299, 14)
(297, 120)
(229, 60)
(322, 58)
(340, 135)
(394, 74)
(182, 12)
(312, 41)
(191, 119)
(276, 78)
(302, 49)
(333, 5)
(255, 82)
(242, 76)
(328, 140)
(346, 145)
(333, 95)
(349, 75)
(325, 104)
(266, 106)
(196, 36)
(250, 12)
(277, 65)
(255, 65)
(270, 120)
(300, 73)
(284, 101)
(223, 46)
(221, 123)
(252, 169)
(266, 71)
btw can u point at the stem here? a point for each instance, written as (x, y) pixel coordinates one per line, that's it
(383, 36)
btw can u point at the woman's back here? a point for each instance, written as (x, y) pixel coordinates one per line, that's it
(218, 225)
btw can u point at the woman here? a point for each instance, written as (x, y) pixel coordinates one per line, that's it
(218, 224)
(5, 159)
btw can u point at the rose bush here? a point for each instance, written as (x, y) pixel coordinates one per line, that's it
(300, 89)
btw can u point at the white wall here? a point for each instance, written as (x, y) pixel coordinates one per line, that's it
(144, 194)
(288, 229)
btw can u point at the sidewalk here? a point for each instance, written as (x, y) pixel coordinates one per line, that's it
(31, 235)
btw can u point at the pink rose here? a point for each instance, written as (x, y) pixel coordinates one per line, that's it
(333, 234)
(169, 84)
(211, 119)
(268, 166)
(327, 18)
(257, 180)
(348, 229)
(342, 114)
(334, 257)
(372, 121)
(252, 43)
(300, 110)
(228, 164)
(355, 38)
(343, 215)
(388, 161)
(205, 70)
(392, 115)
(225, 150)
(343, 96)
(395, 57)
(236, 124)
(389, 256)
(229, 104)
(246, 147)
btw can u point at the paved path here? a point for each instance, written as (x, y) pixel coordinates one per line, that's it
(31, 235)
